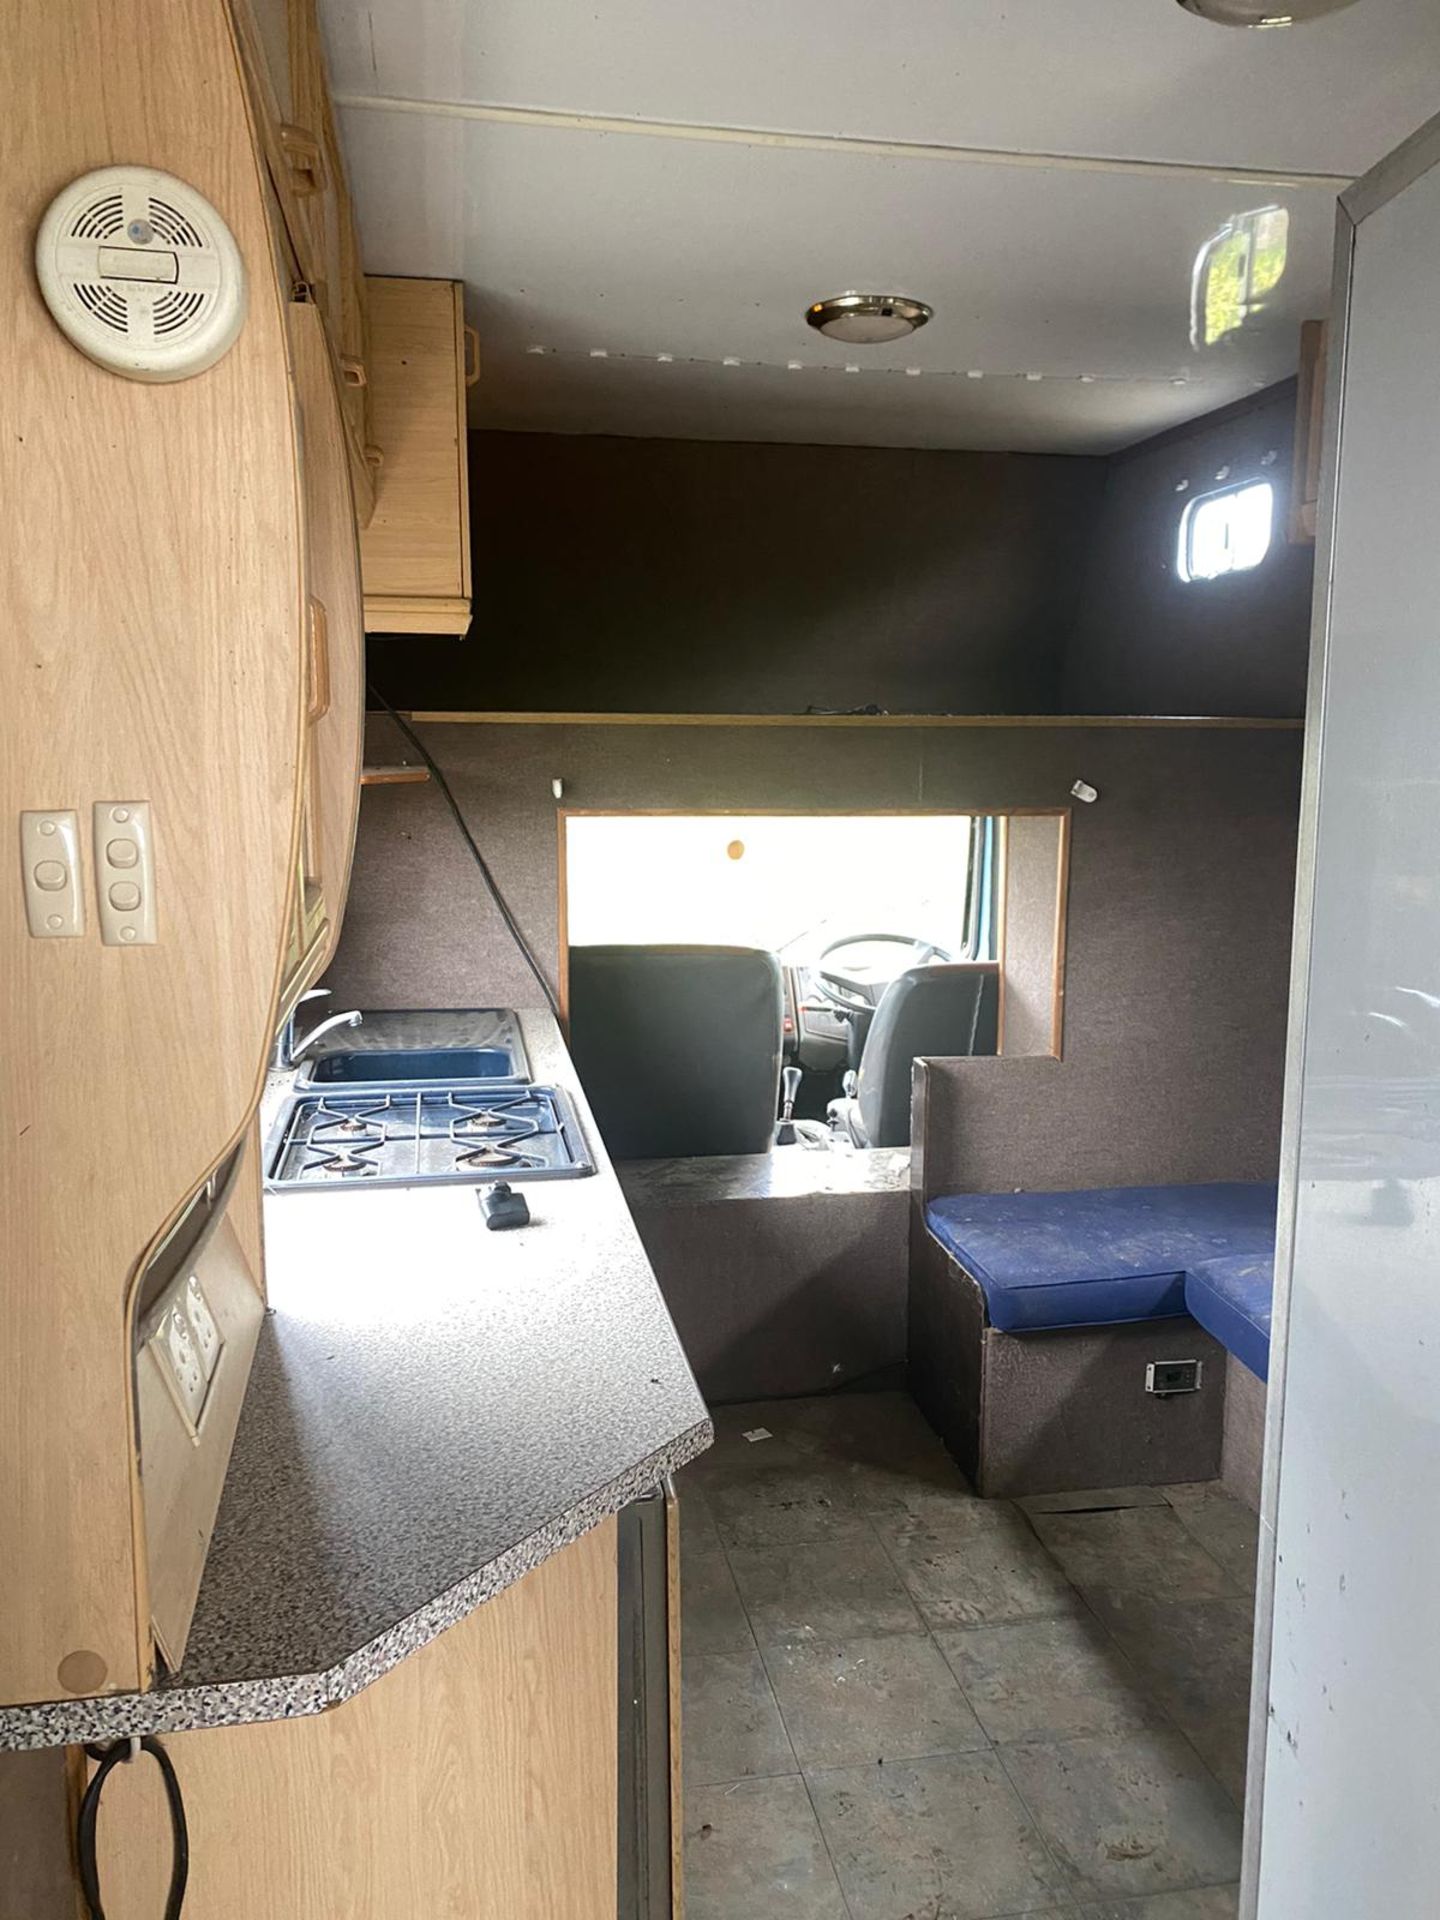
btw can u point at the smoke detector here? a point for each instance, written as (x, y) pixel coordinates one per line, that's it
(1263, 13)
(141, 273)
(868, 319)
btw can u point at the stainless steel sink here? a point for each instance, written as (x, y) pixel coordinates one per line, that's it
(450, 1065)
(420, 1050)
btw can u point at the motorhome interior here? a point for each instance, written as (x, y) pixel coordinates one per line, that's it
(718, 995)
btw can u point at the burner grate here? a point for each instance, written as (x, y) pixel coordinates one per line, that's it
(429, 1134)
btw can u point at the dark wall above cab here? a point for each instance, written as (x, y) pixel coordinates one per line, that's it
(1147, 641)
(655, 576)
(672, 576)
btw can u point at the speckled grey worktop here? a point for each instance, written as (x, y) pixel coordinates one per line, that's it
(433, 1410)
(788, 1173)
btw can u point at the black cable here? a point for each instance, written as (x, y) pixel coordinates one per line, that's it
(110, 1757)
(492, 885)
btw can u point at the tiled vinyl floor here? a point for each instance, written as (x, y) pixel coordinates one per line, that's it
(905, 1703)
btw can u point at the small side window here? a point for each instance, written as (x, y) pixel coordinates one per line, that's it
(1226, 532)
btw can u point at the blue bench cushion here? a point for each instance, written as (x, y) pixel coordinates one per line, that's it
(1101, 1256)
(1230, 1297)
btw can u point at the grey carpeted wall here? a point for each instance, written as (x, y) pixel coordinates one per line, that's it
(1181, 880)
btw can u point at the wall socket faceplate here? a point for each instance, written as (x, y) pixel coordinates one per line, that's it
(1174, 1376)
(186, 1346)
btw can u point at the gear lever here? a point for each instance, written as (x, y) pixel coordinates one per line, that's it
(790, 1079)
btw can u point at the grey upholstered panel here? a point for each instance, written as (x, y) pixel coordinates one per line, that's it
(782, 1294)
(1242, 1458)
(678, 1048)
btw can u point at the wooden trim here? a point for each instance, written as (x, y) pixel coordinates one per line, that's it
(562, 920)
(807, 813)
(563, 815)
(393, 776)
(938, 720)
(386, 613)
(1309, 433)
(462, 437)
(677, 1772)
(1062, 923)
(1002, 903)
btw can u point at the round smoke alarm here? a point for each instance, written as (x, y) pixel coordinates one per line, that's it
(141, 273)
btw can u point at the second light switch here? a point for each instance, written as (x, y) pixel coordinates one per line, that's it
(125, 873)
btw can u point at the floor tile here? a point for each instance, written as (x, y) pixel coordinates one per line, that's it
(946, 1839)
(1194, 1660)
(776, 1504)
(883, 1698)
(873, 1429)
(822, 1590)
(1194, 1656)
(972, 1568)
(712, 1619)
(1096, 1500)
(924, 1490)
(732, 1453)
(1210, 1903)
(1131, 1813)
(1133, 1550)
(1227, 1529)
(753, 1850)
(1223, 1743)
(732, 1726)
(697, 1522)
(1046, 1679)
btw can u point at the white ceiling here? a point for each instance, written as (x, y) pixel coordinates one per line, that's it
(679, 226)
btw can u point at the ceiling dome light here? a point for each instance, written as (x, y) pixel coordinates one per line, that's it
(1263, 13)
(868, 319)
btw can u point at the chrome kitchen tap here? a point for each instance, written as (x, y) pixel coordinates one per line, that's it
(287, 1053)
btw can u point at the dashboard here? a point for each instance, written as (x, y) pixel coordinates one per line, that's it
(816, 1036)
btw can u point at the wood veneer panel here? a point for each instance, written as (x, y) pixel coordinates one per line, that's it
(150, 648)
(476, 1780)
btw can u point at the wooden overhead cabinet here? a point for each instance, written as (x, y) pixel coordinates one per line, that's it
(284, 65)
(415, 552)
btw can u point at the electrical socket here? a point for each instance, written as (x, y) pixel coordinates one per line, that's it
(203, 1329)
(174, 1348)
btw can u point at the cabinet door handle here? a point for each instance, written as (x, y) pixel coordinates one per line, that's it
(304, 159)
(472, 356)
(352, 371)
(318, 694)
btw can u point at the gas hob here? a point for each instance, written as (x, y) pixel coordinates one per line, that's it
(474, 1134)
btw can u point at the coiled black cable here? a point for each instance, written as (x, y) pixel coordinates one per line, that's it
(109, 1758)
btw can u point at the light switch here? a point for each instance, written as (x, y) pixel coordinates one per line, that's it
(125, 873)
(50, 873)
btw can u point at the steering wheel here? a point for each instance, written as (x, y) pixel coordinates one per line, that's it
(861, 990)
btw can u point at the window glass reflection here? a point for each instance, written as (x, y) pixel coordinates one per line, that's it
(1236, 271)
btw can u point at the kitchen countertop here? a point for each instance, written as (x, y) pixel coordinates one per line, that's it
(786, 1174)
(433, 1410)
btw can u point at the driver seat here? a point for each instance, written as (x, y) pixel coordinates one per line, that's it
(937, 1011)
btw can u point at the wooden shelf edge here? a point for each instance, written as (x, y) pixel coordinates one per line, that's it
(396, 776)
(936, 720)
(391, 614)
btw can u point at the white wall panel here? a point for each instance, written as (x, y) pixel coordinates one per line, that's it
(1351, 1795)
